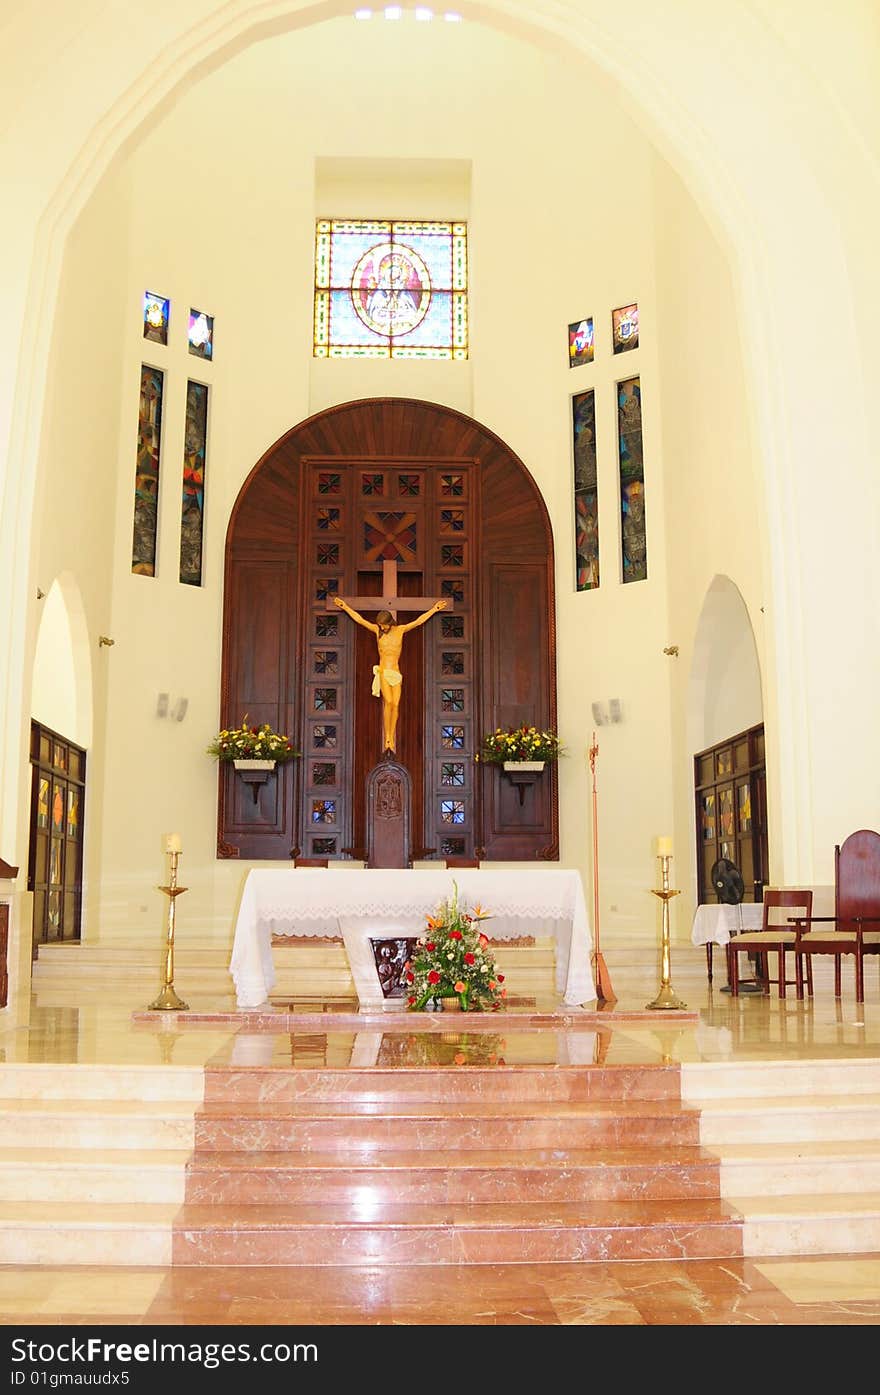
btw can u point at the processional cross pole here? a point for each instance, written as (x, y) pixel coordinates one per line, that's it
(604, 991)
(387, 678)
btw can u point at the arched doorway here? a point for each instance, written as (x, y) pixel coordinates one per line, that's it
(389, 479)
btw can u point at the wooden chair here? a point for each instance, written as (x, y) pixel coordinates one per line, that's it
(856, 918)
(776, 934)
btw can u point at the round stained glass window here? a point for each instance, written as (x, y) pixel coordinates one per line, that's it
(391, 289)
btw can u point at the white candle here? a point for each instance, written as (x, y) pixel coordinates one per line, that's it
(664, 846)
(173, 843)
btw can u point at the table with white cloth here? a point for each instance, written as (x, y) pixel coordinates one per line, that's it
(362, 904)
(714, 924)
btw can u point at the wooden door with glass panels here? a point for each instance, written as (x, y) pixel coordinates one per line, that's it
(55, 855)
(731, 812)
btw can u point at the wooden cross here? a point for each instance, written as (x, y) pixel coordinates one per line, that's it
(389, 600)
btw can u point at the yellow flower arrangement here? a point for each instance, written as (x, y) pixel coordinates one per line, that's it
(519, 743)
(251, 743)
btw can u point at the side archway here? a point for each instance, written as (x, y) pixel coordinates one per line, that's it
(61, 688)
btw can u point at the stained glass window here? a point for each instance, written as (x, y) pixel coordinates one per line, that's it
(192, 512)
(201, 334)
(625, 328)
(580, 343)
(634, 545)
(157, 311)
(586, 497)
(146, 480)
(390, 289)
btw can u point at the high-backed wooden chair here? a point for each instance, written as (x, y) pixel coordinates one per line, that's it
(855, 926)
(777, 934)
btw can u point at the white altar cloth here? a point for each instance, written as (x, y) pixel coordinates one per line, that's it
(714, 925)
(385, 904)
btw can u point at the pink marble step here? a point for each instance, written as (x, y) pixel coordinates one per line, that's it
(322, 1126)
(452, 1234)
(239, 1178)
(407, 1083)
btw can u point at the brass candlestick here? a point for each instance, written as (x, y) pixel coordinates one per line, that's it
(666, 998)
(168, 1000)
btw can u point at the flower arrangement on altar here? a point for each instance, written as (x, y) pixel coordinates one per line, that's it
(453, 960)
(251, 743)
(519, 743)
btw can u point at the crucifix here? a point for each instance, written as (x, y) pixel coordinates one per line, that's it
(387, 678)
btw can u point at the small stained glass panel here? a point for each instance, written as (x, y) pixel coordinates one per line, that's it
(452, 847)
(452, 772)
(452, 699)
(146, 479)
(453, 589)
(73, 813)
(200, 335)
(625, 328)
(451, 555)
(327, 661)
(157, 312)
(634, 544)
(326, 586)
(327, 554)
(410, 485)
(744, 807)
(707, 818)
(451, 520)
(452, 738)
(58, 809)
(452, 661)
(586, 499)
(325, 699)
(452, 626)
(580, 342)
(326, 626)
(452, 486)
(451, 811)
(192, 508)
(323, 847)
(43, 804)
(328, 520)
(329, 482)
(323, 811)
(324, 737)
(372, 484)
(324, 772)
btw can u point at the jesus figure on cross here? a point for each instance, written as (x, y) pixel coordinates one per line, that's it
(387, 678)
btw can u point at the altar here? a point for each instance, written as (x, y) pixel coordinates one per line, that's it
(376, 903)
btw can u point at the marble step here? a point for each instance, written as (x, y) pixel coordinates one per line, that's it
(788, 1119)
(834, 1166)
(481, 1233)
(113, 1124)
(104, 1233)
(718, 1080)
(411, 1084)
(317, 1126)
(515, 1175)
(810, 1224)
(38, 1081)
(91, 1175)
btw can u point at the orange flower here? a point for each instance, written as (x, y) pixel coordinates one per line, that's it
(460, 987)
(434, 923)
(492, 984)
(459, 1058)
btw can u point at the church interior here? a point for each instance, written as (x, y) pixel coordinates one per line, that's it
(613, 482)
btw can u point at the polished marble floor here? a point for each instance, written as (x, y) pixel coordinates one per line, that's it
(105, 1028)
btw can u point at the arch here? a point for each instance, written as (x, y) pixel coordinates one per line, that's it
(61, 684)
(724, 683)
(463, 518)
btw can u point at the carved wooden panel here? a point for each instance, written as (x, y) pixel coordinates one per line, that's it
(461, 516)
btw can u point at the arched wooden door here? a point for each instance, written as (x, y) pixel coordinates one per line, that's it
(429, 488)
